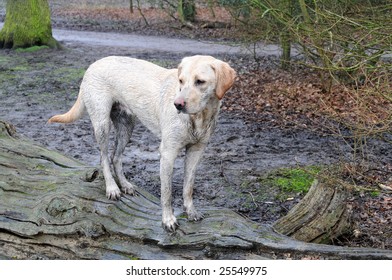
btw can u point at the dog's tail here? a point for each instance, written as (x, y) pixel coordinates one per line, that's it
(72, 115)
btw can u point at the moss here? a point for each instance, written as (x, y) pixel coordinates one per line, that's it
(374, 193)
(6, 76)
(277, 185)
(296, 180)
(8, 63)
(67, 74)
(182, 216)
(5, 59)
(31, 49)
(8, 70)
(27, 24)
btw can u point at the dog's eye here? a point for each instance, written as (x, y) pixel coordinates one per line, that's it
(181, 81)
(199, 82)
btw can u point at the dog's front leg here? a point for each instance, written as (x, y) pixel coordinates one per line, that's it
(192, 158)
(168, 156)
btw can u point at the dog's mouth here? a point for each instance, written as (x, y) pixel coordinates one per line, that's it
(183, 111)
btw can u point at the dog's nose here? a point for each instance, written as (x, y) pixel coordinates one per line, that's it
(179, 104)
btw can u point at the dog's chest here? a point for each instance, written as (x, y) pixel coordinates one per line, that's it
(200, 129)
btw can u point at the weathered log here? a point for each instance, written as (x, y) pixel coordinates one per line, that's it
(320, 217)
(55, 207)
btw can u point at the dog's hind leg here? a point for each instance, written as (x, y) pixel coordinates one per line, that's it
(123, 124)
(100, 120)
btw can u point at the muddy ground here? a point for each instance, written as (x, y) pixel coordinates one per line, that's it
(243, 151)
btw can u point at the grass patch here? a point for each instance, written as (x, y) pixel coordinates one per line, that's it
(296, 180)
(375, 193)
(273, 188)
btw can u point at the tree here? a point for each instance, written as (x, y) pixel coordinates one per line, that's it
(342, 40)
(186, 10)
(285, 36)
(27, 24)
(183, 10)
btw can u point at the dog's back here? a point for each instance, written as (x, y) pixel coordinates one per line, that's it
(134, 85)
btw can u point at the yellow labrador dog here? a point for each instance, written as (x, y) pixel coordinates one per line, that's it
(180, 106)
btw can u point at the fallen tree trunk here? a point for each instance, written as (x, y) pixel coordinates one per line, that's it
(53, 207)
(320, 217)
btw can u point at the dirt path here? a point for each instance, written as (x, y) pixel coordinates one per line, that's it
(156, 43)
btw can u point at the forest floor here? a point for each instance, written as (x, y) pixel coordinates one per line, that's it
(272, 122)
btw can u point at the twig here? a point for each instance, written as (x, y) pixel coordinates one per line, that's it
(253, 199)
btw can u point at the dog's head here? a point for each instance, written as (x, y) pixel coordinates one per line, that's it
(200, 79)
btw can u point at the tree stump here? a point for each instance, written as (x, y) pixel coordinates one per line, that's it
(53, 207)
(27, 23)
(320, 217)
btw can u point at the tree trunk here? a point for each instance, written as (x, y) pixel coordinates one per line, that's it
(186, 10)
(286, 49)
(320, 217)
(27, 24)
(53, 207)
(285, 36)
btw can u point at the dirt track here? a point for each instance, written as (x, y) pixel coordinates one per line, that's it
(157, 43)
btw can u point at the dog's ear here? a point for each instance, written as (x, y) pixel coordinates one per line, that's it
(225, 76)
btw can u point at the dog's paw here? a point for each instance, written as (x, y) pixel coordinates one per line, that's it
(170, 224)
(195, 215)
(128, 188)
(113, 193)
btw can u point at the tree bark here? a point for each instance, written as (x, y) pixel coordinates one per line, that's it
(53, 207)
(285, 37)
(27, 24)
(186, 10)
(320, 217)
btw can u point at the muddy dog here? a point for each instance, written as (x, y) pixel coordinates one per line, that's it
(180, 106)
